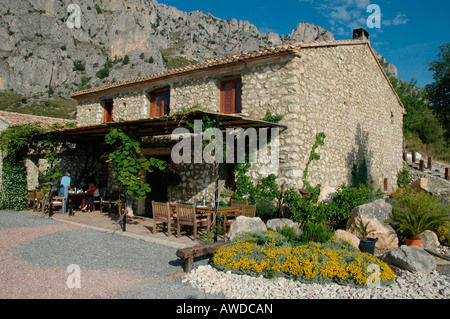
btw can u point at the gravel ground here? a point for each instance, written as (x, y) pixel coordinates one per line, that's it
(35, 254)
(407, 286)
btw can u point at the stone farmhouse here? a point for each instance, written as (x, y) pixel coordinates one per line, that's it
(335, 87)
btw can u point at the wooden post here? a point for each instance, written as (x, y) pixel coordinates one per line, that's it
(413, 157)
(430, 162)
(422, 165)
(447, 177)
(385, 184)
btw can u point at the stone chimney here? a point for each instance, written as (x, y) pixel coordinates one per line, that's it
(361, 34)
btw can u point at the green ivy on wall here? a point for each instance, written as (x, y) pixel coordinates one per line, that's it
(14, 143)
(129, 165)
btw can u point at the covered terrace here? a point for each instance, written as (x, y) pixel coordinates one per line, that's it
(156, 127)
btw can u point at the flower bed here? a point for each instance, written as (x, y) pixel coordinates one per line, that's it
(269, 254)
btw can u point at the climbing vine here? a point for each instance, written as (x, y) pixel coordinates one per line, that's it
(313, 156)
(129, 165)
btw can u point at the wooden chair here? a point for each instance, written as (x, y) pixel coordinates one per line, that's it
(106, 201)
(31, 198)
(228, 219)
(39, 200)
(186, 216)
(162, 215)
(249, 211)
(53, 203)
(240, 204)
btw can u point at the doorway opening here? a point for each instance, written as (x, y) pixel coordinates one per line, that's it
(159, 182)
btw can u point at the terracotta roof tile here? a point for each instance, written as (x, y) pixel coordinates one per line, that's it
(294, 48)
(15, 119)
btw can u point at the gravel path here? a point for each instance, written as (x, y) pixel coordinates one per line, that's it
(35, 254)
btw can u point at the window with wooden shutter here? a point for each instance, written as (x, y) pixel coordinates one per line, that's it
(108, 113)
(230, 99)
(159, 103)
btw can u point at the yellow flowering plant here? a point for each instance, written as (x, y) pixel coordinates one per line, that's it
(334, 261)
(443, 233)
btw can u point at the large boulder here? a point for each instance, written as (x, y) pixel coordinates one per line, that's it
(411, 258)
(429, 240)
(244, 224)
(326, 194)
(433, 185)
(281, 222)
(375, 214)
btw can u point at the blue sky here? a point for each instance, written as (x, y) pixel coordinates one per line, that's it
(409, 34)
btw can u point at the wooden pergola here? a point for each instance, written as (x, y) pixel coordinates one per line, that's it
(163, 126)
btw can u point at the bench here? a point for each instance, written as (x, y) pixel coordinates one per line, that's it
(200, 250)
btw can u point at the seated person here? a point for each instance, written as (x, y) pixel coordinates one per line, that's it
(93, 190)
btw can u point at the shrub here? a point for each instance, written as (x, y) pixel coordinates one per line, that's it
(404, 178)
(126, 60)
(336, 212)
(79, 65)
(316, 232)
(346, 198)
(335, 261)
(305, 208)
(265, 209)
(103, 73)
(289, 233)
(416, 212)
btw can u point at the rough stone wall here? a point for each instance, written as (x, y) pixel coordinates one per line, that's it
(345, 95)
(90, 113)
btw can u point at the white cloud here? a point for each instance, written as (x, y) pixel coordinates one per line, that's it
(346, 15)
(398, 20)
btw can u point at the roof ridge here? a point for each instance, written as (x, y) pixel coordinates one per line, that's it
(33, 115)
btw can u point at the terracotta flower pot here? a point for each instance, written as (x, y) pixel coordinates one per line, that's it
(412, 242)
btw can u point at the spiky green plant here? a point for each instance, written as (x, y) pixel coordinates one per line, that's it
(363, 229)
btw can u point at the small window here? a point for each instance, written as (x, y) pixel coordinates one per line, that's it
(108, 115)
(231, 96)
(159, 103)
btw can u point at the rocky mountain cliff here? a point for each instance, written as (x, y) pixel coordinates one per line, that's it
(41, 55)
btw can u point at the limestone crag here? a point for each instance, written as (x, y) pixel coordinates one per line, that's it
(40, 53)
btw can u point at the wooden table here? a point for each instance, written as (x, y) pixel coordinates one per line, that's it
(225, 211)
(78, 197)
(231, 210)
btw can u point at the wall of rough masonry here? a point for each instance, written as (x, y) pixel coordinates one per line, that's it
(344, 93)
(339, 90)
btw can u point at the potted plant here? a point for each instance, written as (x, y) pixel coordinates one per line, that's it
(416, 212)
(366, 244)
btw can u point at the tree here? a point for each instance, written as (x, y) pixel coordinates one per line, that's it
(126, 60)
(439, 90)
